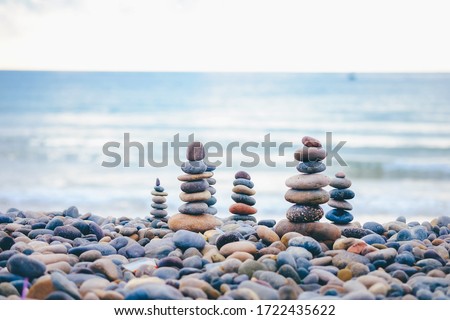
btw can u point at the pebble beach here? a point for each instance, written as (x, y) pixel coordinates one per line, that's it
(192, 254)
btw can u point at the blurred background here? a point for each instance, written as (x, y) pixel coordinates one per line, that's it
(53, 126)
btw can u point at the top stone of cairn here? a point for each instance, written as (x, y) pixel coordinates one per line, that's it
(195, 151)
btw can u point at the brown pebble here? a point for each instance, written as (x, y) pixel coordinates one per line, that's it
(311, 142)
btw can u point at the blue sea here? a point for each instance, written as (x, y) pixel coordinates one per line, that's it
(53, 126)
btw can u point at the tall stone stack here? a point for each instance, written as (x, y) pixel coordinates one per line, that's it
(193, 214)
(307, 194)
(211, 201)
(306, 188)
(242, 195)
(158, 201)
(338, 200)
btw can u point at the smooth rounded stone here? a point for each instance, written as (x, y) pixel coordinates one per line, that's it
(104, 248)
(134, 251)
(317, 230)
(159, 199)
(159, 206)
(193, 197)
(6, 243)
(424, 294)
(193, 262)
(374, 226)
(153, 291)
(55, 222)
(340, 183)
(345, 274)
(211, 201)
(311, 167)
(193, 167)
(275, 280)
(311, 142)
(243, 182)
(373, 239)
(166, 273)
(159, 194)
(95, 229)
(242, 198)
(249, 267)
(170, 261)
(108, 268)
(83, 226)
(227, 237)
(442, 221)
(184, 239)
(38, 225)
(388, 255)
(267, 222)
(264, 292)
(419, 233)
(308, 197)
(404, 235)
(194, 293)
(307, 154)
(288, 271)
(194, 186)
(339, 216)
(26, 267)
(343, 259)
(194, 208)
(5, 219)
(59, 295)
(308, 243)
(7, 289)
(285, 257)
(90, 256)
(242, 175)
(242, 217)
(243, 190)
(198, 223)
(239, 246)
(192, 177)
(341, 204)
(429, 263)
(68, 232)
(9, 277)
(341, 194)
(211, 190)
(35, 233)
(356, 233)
(241, 208)
(61, 283)
(71, 212)
(307, 181)
(159, 213)
(359, 295)
(406, 258)
(304, 213)
(267, 235)
(211, 211)
(195, 151)
(128, 231)
(41, 288)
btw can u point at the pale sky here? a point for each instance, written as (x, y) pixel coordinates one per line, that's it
(230, 35)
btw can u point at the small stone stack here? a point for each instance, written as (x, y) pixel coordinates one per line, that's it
(307, 195)
(159, 199)
(242, 195)
(306, 188)
(211, 201)
(338, 197)
(193, 214)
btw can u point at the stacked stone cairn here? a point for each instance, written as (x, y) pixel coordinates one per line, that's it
(159, 202)
(307, 194)
(338, 200)
(242, 194)
(211, 201)
(306, 188)
(193, 214)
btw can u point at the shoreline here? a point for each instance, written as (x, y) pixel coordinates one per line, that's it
(66, 255)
